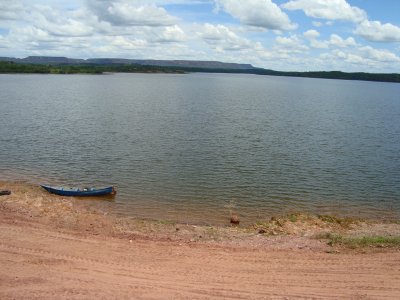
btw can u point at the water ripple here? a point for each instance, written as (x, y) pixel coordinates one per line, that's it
(200, 146)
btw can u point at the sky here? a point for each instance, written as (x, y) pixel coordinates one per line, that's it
(287, 35)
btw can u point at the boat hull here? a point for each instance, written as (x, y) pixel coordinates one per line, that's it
(87, 192)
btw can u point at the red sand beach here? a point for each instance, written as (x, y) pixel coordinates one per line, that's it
(56, 248)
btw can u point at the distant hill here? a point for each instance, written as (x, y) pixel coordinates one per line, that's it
(64, 65)
(173, 63)
(122, 61)
(45, 60)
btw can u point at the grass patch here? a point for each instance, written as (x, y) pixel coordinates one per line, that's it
(361, 242)
(342, 222)
(292, 217)
(165, 222)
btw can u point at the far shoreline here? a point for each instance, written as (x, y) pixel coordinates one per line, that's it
(11, 67)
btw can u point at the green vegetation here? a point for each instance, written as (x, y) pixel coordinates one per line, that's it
(12, 67)
(361, 242)
(301, 223)
(344, 223)
(293, 218)
(165, 222)
(385, 77)
(336, 75)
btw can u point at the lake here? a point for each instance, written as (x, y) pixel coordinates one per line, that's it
(197, 147)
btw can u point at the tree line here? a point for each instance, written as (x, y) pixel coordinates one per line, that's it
(12, 67)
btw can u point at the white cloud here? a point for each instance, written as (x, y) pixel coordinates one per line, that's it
(376, 32)
(337, 41)
(31, 40)
(362, 59)
(30, 35)
(59, 24)
(311, 34)
(147, 29)
(125, 43)
(327, 9)
(290, 44)
(222, 38)
(319, 44)
(171, 34)
(258, 13)
(5, 43)
(380, 55)
(10, 9)
(139, 48)
(317, 24)
(126, 13)
(339, 56)
(340, 10)
(77, 32)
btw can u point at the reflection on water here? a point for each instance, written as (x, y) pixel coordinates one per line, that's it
(197, 147)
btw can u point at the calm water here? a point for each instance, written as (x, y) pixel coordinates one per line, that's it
(195, 147)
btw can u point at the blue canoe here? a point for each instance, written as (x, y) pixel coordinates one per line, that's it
(65, 191)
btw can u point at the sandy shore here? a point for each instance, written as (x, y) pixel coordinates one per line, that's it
(56, 248)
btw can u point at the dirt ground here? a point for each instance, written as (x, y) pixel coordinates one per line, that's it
(52, 248)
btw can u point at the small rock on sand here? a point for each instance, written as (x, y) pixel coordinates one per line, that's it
(235, 220)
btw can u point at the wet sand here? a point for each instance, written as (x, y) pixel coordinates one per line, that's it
(53, 247)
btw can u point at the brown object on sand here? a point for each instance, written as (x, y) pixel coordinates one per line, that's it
(235, 219)
(5, 192)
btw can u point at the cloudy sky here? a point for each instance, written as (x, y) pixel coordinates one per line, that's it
(347, 35)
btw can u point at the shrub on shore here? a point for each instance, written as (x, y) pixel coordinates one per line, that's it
(360, 242)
